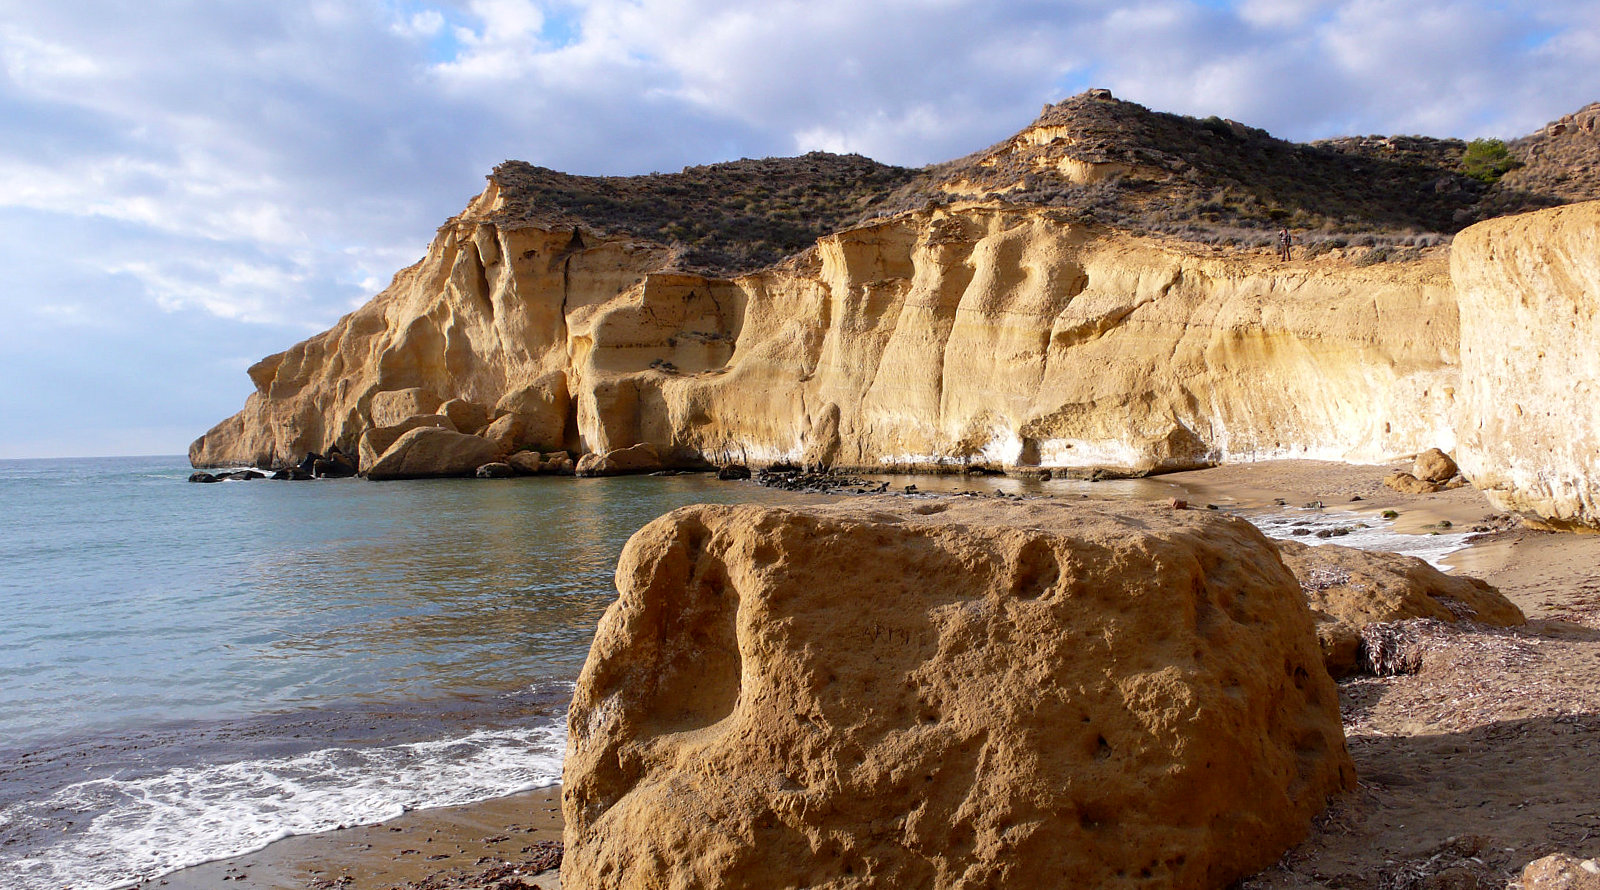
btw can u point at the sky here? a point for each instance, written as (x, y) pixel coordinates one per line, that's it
(187, 186)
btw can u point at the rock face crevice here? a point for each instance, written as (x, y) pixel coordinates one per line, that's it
(941, 337)
(947, 695)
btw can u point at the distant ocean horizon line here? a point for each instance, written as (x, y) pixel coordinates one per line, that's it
(175, 455)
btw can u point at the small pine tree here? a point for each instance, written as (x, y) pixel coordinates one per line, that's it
(1487, 160)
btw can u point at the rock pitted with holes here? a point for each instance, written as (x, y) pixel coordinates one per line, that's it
(893, 693)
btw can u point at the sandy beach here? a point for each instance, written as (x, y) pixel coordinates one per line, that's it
(1479, 763)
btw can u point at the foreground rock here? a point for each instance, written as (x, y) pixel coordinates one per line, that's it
(940, 694)
(1349, 590)
(432, 451)
(1529, 422)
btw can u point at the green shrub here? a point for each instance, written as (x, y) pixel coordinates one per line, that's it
(1486, 160)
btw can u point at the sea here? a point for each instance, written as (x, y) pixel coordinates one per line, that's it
(189, 672)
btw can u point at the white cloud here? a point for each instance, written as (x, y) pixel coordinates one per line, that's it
(31, 61)
(425, 24)
(253, 168)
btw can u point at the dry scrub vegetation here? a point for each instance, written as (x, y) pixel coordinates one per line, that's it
(725, 218)
(1208, 181)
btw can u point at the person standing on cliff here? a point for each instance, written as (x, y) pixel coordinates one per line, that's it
(1285, 240)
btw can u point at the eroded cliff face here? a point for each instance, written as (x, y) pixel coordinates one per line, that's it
(953, 335)
(1529, 288)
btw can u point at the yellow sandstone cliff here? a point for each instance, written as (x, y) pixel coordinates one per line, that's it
(1529, 288)
(981, 333)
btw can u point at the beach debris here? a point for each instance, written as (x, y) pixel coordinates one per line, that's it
(1560, 871)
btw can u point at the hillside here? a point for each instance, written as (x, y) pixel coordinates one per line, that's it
(723, 218)
(1121, 164)
(1098, 159)
(1560, 164)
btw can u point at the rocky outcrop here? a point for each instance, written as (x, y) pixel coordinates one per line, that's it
(1349, 589)
(433, 451)
(947, 694)
(641, 458)
(1530, 406)
(948, 336)
(377, 440)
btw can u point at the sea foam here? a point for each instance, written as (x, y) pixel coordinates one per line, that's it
(114, 832)
(1361, 530)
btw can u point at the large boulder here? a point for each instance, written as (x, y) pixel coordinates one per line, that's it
(375, 441)
(466, 416)
(432, 451)
(391, 407)
(1434, 465)
(641, 458)
(1349, 589)
(944, 694)
(526, 463)
(1529, 412)
(507, 432)
(542, 408)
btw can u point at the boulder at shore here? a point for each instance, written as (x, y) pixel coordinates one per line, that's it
(432, 451)
(1349, 589)
(641, 458)
(941, 694)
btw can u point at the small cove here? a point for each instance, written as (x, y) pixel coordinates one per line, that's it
(196, 670)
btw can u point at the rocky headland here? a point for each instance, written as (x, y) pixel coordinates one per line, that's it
(1063, 300)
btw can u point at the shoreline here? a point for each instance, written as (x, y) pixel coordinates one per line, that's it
(465, 846)
(1407, 812)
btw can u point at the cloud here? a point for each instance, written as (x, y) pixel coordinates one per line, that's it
(255, 168)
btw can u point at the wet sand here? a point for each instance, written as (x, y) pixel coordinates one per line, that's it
(497, 843)
(1484, 760)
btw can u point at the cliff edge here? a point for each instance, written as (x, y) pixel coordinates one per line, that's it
(1068, 298)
